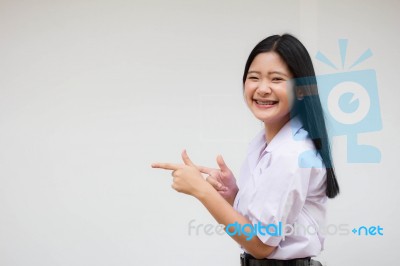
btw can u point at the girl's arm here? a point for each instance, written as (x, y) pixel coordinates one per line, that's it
(188, 179)
(225, 214)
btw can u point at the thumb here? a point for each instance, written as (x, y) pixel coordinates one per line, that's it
(186, 159)
(221, 163)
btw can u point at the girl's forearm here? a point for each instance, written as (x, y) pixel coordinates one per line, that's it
(225, 214)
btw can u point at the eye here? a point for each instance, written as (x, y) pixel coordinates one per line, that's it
(252, 78)
(277, 79)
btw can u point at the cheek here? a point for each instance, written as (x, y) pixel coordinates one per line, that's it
(250, 86)
(248, 92)
(290, 100)
(288, 95)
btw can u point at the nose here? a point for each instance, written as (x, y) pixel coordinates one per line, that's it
(264, 88)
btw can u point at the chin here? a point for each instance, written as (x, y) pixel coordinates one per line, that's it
(264, 117)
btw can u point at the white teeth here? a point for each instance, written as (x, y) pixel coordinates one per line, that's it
(265, 102)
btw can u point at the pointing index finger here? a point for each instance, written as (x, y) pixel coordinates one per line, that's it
(205, 170)
(166, 166)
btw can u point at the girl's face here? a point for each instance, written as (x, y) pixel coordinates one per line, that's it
(267, 90)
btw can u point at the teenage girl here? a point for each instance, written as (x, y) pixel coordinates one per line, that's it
(287, 175)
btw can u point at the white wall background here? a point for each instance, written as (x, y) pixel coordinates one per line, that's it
(92, 92)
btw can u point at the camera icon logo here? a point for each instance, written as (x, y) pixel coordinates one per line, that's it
(351, 105)
(350, 102)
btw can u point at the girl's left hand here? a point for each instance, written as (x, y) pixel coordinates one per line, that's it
(187, 178)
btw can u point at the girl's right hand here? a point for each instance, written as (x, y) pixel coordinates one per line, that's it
(222, 180)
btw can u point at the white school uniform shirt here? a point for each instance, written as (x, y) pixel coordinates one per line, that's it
(278, 184)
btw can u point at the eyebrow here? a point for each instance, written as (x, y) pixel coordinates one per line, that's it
(269, 73)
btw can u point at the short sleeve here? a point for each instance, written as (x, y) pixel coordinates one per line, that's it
(281, 191)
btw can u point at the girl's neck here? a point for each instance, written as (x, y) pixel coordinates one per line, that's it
(271, 129)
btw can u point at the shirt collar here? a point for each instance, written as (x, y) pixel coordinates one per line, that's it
(287, 132)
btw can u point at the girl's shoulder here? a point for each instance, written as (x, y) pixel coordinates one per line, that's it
(299, 148)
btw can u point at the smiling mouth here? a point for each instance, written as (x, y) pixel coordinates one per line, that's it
(266, 102)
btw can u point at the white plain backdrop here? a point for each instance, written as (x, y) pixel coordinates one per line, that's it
(93, 92)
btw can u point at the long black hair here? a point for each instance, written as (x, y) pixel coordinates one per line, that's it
(309, 109)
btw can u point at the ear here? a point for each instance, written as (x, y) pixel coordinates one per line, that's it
(299, 94)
